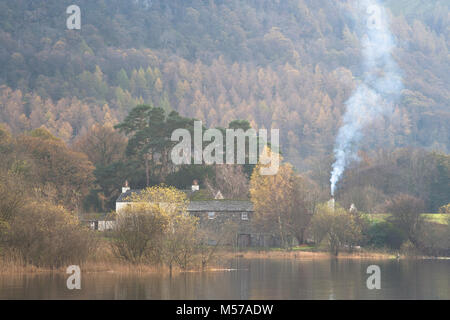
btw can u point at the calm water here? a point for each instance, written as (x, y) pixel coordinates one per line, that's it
(253, 279)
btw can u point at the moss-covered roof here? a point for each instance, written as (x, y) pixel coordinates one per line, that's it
(199, 202)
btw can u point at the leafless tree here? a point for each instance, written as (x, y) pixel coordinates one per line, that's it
(406, 213)
(230, 180)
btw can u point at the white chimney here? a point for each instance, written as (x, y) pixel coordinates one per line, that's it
(126, 187)
(195, 186)
(331, 203)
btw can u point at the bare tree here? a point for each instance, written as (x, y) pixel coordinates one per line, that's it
(230, 180)
(406, 213)
(209, 241)
(12, 195)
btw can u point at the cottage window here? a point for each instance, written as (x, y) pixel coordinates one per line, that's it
(211, 215)
(244, 216)
(212, 242)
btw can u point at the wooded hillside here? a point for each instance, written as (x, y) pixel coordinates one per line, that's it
(282, 64)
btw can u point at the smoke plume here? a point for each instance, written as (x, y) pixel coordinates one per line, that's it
(375, 95)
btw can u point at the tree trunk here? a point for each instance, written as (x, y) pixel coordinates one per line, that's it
(281, 232)
(147, 171)
(203, 265)
(300, 236)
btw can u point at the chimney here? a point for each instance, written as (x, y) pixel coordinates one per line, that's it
(195, 186)
(331, 203)
(126, 187)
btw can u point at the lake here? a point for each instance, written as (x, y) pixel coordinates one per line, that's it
(249, 279)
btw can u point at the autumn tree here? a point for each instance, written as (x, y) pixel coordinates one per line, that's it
(180, 241)
(336, 226)
(105, 148)
(102, 144)
(47, 235)
(138, 233)
(156, 228)
(13, 195)
(57, 172)
(305, 197)
(282, 202)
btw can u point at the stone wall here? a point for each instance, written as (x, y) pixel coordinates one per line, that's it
(245, 232)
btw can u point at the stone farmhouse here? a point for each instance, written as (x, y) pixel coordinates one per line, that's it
(213, 215)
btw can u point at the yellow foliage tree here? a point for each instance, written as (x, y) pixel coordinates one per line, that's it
(158, 227)
(283, 202)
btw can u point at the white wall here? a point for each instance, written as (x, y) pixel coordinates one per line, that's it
(106, 225)
(120, 206)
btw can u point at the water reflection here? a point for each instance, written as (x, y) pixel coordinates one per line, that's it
(253, 279)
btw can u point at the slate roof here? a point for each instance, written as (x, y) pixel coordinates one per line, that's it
(204, 205)
(123, 196)
(221, 205)
(95, 217)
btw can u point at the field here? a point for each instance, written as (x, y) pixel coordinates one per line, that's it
(440, 218)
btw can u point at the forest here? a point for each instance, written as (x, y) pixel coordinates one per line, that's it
(289, 65)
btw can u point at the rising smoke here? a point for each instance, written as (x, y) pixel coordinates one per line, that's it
(378, 91)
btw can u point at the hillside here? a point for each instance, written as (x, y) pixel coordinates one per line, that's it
(417, 8)
(281, 64)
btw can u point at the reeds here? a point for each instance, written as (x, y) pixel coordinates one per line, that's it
(102, 259)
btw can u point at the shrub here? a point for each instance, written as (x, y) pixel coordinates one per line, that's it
(385, 234)
(406, 214)
(180, 242)
(408, 249)
(156, 228)
(435, 239)
(337, 227)
(138, 233)
(46, 235)
(12, 195)
(445, 209)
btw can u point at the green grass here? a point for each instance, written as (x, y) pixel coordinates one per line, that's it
(304, 248)
(440, 218)
(376, 217)
(307, 248)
